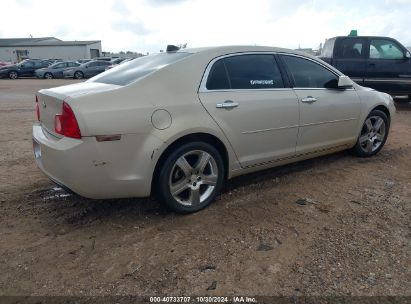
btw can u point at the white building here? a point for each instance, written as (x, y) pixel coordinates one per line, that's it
(17, 49)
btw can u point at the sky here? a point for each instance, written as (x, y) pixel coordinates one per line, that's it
(149, 25)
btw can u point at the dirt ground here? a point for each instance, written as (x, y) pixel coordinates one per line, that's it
(350, 234)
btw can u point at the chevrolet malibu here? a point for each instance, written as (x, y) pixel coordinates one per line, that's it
(178, 124)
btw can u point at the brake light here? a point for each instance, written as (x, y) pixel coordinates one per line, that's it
(37, 108)
(66, 123)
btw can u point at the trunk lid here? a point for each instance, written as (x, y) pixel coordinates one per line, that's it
(51, 100)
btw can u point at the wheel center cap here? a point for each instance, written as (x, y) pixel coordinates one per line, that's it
(195, 181)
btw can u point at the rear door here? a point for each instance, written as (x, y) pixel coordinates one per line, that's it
(328, 115)
(389, 69)
(91, 69)
(350, 57)
(248, 98)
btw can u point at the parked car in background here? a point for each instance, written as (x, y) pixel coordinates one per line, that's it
(104, 58)
(4, 63)
(86, 70)
(55, 70)
(118, 61)
(381, 63)
(26, 68)
(54, 60)
(178, 124)
(81, 61)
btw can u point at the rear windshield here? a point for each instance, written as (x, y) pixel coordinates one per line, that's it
(133, 70)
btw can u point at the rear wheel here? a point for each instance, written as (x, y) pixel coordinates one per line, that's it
(373, 134)
(78, 75)
(13, 75)
(48, 75)
(191, 177)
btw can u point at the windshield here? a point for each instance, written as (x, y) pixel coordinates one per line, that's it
(22, 62)
(133, 70)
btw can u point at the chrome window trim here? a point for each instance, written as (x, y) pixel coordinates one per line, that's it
(203, 88)
(312, 60)
(320, 64)
(319, 89)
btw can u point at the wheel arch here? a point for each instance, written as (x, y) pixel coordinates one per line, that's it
(383, 109)
(15, 71)
(44, 76)
(192, 137)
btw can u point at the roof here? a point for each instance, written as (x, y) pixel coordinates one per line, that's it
(43, 41)
(208, 53)
(241, 49)
(353, 37)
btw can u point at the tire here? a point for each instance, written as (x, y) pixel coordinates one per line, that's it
(195, 183)
(78, 75)
(48, 76)
(13, 75)
(373, 135)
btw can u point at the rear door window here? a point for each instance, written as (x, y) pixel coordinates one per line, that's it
(350, 48)
(93, 64)
(253, 72)
(218, 78)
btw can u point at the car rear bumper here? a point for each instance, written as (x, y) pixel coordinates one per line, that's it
(98, 170)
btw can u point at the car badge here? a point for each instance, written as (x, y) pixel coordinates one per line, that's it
(43, 104)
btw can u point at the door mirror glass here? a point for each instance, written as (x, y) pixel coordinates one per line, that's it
(344, 82)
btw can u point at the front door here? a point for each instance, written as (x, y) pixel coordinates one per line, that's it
(328, 115)
(246, 96)
(26, 68)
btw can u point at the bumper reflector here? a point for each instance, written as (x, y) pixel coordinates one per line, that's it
(100, 138)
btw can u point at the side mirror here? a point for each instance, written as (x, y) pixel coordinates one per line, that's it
(407, 55)
(344, 82)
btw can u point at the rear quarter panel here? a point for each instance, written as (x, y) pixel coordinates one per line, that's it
(128, 109)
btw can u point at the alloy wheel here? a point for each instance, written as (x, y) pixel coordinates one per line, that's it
(193, 178)
(78, 75)
(372, 134)
(13, 75)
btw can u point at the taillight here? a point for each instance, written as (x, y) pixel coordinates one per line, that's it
(37, 108)
(66, 123)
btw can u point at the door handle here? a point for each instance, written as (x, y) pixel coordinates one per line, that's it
(228, 104)
(308, 99)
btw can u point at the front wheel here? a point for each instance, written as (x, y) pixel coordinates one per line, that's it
(13, 75)
(191, 177)
(373, 135)
(48, 76)
(78, 75)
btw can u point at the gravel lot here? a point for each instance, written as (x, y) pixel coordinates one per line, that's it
(349, 233)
